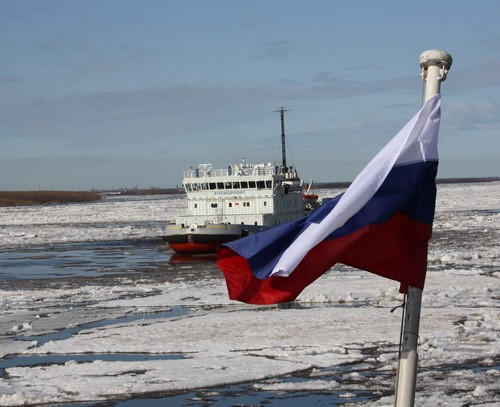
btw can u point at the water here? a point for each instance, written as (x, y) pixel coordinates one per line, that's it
(248, 394)
(109, 262)
(90, 259)
(235, 396)
(59, 265)
(38, 360)
(244, 396)
(106, 322)
(116, 243)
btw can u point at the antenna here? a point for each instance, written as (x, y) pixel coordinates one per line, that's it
(282, 111)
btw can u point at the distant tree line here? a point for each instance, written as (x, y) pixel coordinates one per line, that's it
(17, 198)
(22, 198)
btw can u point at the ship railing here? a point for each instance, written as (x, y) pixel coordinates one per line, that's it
(237, 170)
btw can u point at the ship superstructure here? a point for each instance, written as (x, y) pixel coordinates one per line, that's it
(226, 204)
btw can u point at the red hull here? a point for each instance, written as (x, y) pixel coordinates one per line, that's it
(196, 248)
(310, 197)
(193, 248)
(201, 243)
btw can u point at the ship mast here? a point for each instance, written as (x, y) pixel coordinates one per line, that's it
(282, 111)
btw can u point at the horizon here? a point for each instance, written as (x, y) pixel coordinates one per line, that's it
(98, 92)
(316, 184)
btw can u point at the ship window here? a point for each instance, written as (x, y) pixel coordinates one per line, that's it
(251, 184)
(236, 185)
(269, 184)
(212, 185)
(188, 187)
(230, 204)
(265, 203)
(261, 184)
(244, 184)
(213, 205)
(195, 205)
(220, 185)
(229, 185)
(204, 186)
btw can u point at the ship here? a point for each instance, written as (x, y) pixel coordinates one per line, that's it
(233, 202)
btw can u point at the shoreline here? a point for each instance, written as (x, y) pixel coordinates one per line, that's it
(27, 198)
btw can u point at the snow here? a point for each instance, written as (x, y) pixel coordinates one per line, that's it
(340, 337)
(113, 218)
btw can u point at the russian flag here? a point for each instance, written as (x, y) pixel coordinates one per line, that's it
(381, 224)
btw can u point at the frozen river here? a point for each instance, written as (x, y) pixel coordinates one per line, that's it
(94, 308)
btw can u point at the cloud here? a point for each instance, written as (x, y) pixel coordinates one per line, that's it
(11, 78)
(134, 116)
(90, 170)
(331, 77)
(187, 107)
(474, 75)
(472, 114)
(275, 50)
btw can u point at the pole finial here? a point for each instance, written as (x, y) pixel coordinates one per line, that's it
(435, 65)
(435, 57)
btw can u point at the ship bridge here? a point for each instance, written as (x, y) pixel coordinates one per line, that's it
(240, 177)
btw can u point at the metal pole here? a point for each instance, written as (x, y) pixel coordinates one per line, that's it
(435, 65)
(282, 111)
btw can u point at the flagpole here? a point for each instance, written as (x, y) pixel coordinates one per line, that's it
(435, 65)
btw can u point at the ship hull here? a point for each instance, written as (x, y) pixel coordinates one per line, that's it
(206, 239)
(197, 243)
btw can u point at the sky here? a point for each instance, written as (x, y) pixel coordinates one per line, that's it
(109, 94)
